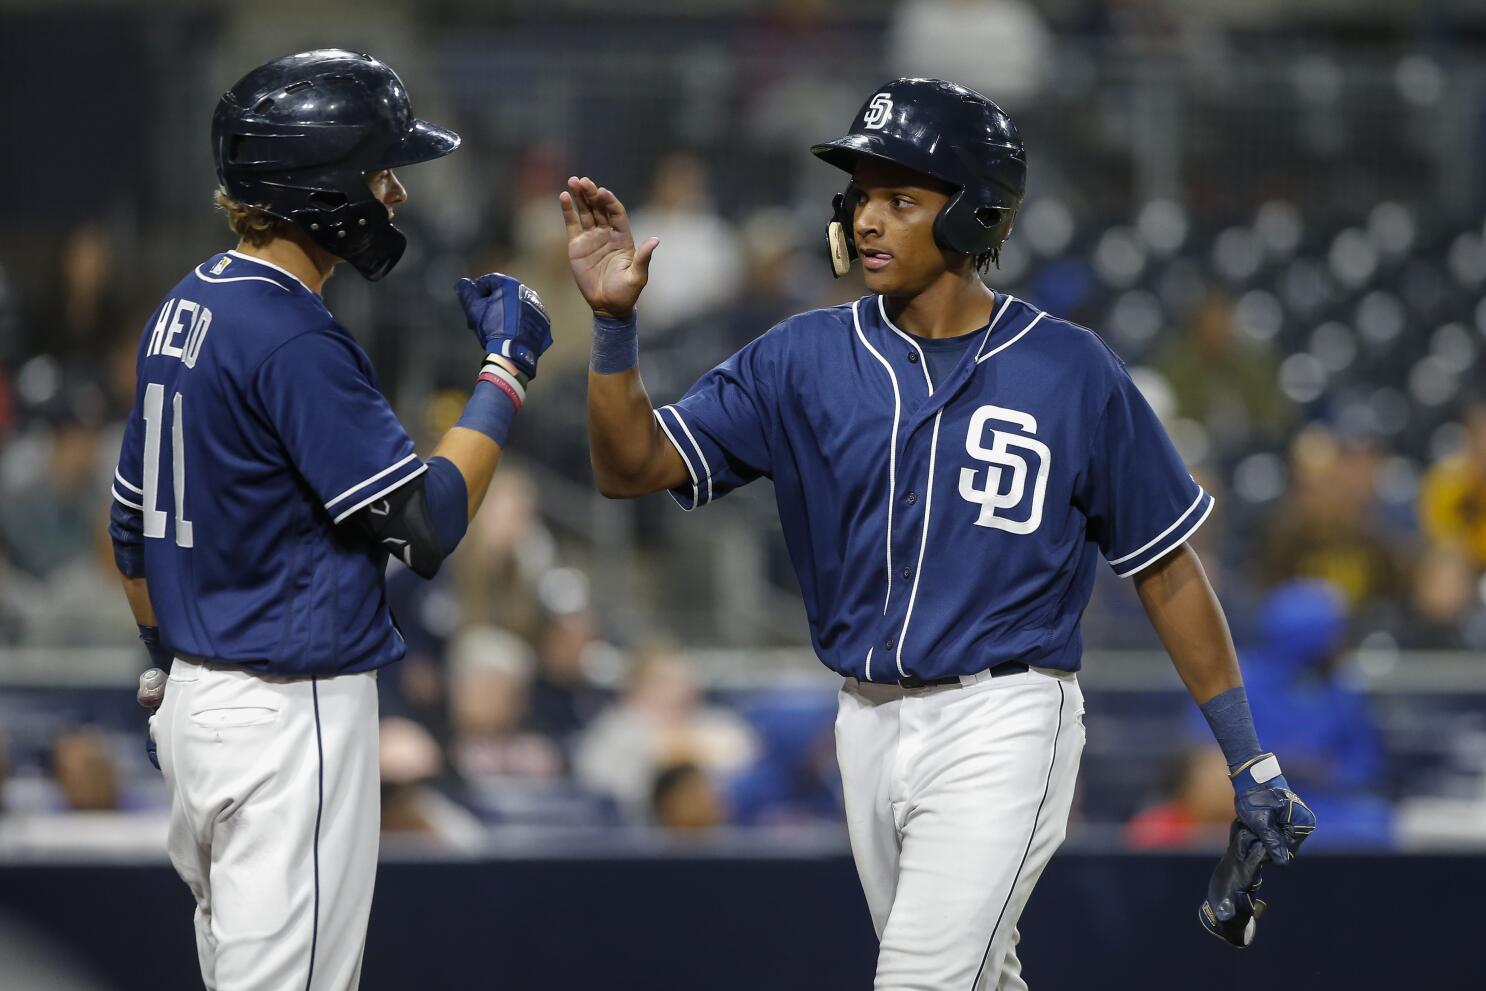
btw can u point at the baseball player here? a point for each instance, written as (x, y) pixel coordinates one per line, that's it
(262, 484)
(949, 465)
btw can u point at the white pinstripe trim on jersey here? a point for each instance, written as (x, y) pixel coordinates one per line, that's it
(1019, 335)
(1201, 494)
(923, 542)
(392, 487)
(1174, 544)
(701, 455)
(882, 309)
(267, 264)
(364, 483)
(892, 450)
(118, 496)
(242, 278)
(127, 484)
(1005, 304)
(696, 489)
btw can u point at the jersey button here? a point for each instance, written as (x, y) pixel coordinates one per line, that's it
(911, 498)
(913, 357)
(907, 572)
(887, 644)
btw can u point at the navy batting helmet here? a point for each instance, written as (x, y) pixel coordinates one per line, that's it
(297, 137)
(951, 133)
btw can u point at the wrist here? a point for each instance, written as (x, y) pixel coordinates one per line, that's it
(614, 313)
(616, 344)
(1232, 725)
(1260, 771)
(150, 637)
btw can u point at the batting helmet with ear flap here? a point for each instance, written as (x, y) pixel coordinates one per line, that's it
(297, 137)
(942, 130)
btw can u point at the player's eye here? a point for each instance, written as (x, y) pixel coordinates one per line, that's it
(902, 202)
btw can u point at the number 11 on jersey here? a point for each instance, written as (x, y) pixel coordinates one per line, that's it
(154, 519)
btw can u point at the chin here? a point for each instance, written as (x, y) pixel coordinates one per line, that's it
(889, 283)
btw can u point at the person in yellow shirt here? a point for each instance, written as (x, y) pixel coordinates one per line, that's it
(1452, 501)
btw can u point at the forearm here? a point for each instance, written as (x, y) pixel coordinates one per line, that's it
(137, 591)
(475, 455)
(1189, 620)
(628, 449)
(631, 456)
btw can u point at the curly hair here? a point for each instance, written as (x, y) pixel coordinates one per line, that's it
(249, 223)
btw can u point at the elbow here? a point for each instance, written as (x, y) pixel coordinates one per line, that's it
(618, 485)
(614, 488)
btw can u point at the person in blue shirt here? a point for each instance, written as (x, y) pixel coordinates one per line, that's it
(262, 484)
(949, 464)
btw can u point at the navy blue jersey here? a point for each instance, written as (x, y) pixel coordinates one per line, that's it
(257, 427)
(940, 528)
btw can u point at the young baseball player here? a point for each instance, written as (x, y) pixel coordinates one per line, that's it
(262, 484)
(949, 464)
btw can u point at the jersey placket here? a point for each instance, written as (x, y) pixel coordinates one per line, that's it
(916, 457)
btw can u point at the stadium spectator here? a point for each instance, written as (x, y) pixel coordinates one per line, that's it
(684, 800)
(1308, 708)
(564, 696)
(1446, 602)
(1452, 501)
(1197, 809)
(1327, 526)
(661, 720)
(413, 808)
(954, 39)
(795, 778)
(698, 265)
(503, 557)
(1225, 383)
(490, 671)
(53, 483)
(83, 767)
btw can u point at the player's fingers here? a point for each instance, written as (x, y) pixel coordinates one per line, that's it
(642, 255)
(569, 215)
(1275, 846)
(600, 207)
(580, 203)
(618, 218)
(467, 291)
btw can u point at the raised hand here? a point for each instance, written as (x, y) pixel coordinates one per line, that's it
(609, 269)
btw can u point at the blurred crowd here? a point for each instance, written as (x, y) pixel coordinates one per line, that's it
(1314, 357)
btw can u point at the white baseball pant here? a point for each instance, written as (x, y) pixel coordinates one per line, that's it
(956, 797)
(274, 821)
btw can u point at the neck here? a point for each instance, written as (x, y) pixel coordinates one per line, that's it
(951, 305)
(296, 254)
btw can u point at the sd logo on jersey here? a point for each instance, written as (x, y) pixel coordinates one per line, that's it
(1005, 490)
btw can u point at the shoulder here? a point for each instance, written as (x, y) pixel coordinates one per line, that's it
(797, 337)
(1080, 350)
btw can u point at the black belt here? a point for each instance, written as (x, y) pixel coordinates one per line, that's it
(1005, 667)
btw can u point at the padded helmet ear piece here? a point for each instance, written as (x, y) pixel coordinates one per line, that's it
(840, 242)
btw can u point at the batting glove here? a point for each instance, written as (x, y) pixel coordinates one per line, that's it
(152, 684)
(1270, 810)
(1230, 911)
(508, 318)
(150, 695)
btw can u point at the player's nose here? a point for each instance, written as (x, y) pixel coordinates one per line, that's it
(866, 221)
(396, 193)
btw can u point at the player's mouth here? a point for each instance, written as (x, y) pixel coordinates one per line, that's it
(875, 259)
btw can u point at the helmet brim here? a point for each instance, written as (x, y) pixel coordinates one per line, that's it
(844, 152)
(423, 142)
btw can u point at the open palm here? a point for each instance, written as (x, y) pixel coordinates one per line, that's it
(609, 269)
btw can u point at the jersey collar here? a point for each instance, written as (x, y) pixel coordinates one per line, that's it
(1010, 321)
(270, 265)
